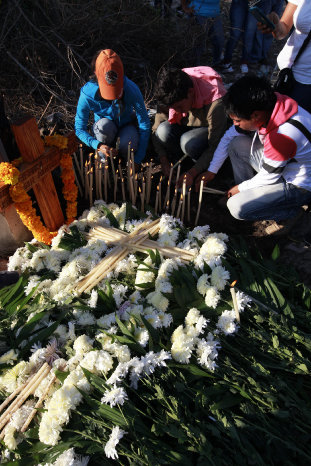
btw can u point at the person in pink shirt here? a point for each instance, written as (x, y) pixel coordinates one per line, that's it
(192, 118)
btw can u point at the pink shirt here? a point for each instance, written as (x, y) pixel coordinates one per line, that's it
(208, 86)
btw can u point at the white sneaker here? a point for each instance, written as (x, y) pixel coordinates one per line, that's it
(244, 68)
(226, 68)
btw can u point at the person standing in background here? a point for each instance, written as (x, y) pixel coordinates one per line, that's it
(206, 14)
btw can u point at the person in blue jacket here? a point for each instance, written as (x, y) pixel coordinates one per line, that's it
(118, 107)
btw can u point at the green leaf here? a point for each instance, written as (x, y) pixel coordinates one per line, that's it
(73, 240)
(113, 221)
(276, 252)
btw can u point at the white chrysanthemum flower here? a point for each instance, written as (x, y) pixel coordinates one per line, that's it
(213, 246)
(243, 300)
(114, 439)
(212, 297)
(165, 318)
(158, 300)
(167, 267)
(167, 239)
(127, 266)
(143, 274)
(97, 361)
(40, 259)
(107, 320)
(85, 318)
(153, 319)
(219, 277)
(15, 377)
(199, 233)
(182, 345)
(120, 372)
(20, 260)
(9, 357)
(141, 336)
(226, 322)
(203, 284)
(115, 396)
(207, 352)
(134, 297)
(163, 286)
(82, 345)
(192, 316)
(92, 302)
(70, 458)
(119, 292)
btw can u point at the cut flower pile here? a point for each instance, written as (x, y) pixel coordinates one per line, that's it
(147, 368)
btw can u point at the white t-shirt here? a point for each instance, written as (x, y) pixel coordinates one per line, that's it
(302, 23)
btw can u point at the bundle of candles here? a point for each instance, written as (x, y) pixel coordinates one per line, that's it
(107, 180)
(22, 393)
(136, 241)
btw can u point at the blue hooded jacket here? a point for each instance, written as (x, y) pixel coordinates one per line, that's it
(120, 112)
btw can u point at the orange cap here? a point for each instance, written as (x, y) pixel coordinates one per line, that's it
(109, 73)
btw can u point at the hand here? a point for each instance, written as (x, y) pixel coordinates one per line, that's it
(266, 29)
(189, 179)
(165, 165)
(208, 176)
(232, 191)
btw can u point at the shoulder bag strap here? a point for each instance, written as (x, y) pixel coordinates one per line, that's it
(302, 48)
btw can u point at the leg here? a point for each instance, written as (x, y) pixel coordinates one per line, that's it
(216, 34)
(277, 201)
(194, 142)
(201, 31)
(128, 134)
(169, 137)
(238, 15)
(239, 151)
(105, 131)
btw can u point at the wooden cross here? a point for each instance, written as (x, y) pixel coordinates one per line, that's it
(126, 242)
(36, 172)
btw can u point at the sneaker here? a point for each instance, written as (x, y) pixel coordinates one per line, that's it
(226, 68)
(285, 226)
(264, 69)
(244, 68)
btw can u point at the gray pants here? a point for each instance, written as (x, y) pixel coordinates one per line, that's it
(276, 201)
(178, 140)
(107, 132)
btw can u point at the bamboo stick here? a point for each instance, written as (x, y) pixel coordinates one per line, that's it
(16, 392)
(179, 162)
(213, 191)
(38, 404)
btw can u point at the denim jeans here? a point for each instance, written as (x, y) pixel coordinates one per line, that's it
(107, 132)
(210, 28)
(244, 24)
(178, 140)
(276, 201)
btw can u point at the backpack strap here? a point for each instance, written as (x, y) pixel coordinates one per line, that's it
(301, 127)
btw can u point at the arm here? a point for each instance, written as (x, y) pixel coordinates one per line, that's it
(216, 120)
(81, 122)
(143, 124)
(283, 25)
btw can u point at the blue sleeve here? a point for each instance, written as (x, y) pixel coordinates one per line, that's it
(143, 123)
(81, 122)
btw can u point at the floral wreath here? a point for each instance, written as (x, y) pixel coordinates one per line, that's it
(9, 174)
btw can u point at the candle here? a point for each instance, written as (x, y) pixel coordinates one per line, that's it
(115, 187)
(149, 182)
(100, 175)
(122, 187)
(105, 180)
(160, 193)
(188, 199)
(178, 173)
(156, 201)
(234, 300)
(81, 158)
(174, 201)
(86, 181)
(200, 201)
(143, 195)
(179, 206)
(131, 187)
(112, 167)
(184, 197)
(91, 187)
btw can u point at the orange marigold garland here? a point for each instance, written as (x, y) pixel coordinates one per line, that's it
(9, 174)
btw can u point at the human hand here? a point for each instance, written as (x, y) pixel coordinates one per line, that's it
(165, 165)
(189, 179)
(274, 18)
(208, 176)
(232, 191)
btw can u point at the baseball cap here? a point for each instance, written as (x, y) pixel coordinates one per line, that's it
(109, 73)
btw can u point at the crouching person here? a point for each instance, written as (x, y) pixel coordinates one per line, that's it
(272, 169)
(194, 119)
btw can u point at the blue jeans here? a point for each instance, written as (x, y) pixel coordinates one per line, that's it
(262, 42)
(107, 132)
(178, 140)
(244, 25)
(210, 28)
(276, 201)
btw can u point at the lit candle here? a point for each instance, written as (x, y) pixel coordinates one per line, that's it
(81, 158)
(174, 201)
(184, 197)
(179, 206)
(122, 188)
(188, 199)
(131, 187)
(86, 181)
(200, 201)
(91, 186)
(105, 180)
(156, 201)
(115, 187)
(100, 176)
(234, 300)
(143, 195)
(160, 193)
